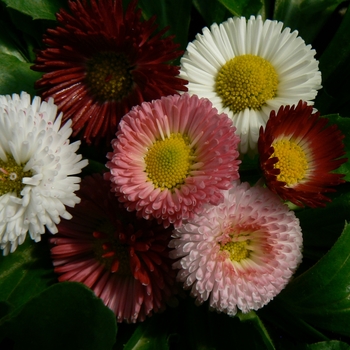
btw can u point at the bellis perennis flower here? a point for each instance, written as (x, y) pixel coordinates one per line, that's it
(298, 153)
(241, 253)
(36, 160)
(124, 260)
(247, 68)
(99, 62)
(171, 156)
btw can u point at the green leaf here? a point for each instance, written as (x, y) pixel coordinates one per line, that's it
(67, 316)
(241, 332)
(336, 56)
(25, 273)
(328, 345)
(242, 7)
(8, 44)
(334, 65)
(208, 330)
(16, 75)
(23, 31)
(300, 15)
(287, 323)
(212, 11)
(175, 14)
(149, 335)
(253, 319)
(320, 296)
(5, 308)
(344, 126)
(323, 226)
(37, 9)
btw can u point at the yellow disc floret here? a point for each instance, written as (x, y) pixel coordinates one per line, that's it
(237, 250)
(11, 175)
(168, 161)
(246, 81)
(292, 161)
(108, 76)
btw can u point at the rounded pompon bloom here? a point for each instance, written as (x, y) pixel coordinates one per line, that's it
(124, 260)
(247, 68)
(298, 152)
(36, 161)
(241, 253)
(171, 156)
(99, 62)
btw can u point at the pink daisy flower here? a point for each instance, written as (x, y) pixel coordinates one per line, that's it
(171, 156)
(124, 260)
(240, 253)
(99, 62)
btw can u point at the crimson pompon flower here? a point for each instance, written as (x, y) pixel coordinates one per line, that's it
(99, 62)
(124, 260)
(298, 152)
(171, 156)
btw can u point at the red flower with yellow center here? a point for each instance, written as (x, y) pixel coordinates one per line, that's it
(298, 153)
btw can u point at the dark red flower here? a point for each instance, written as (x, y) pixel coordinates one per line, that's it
(298, 153)
(124, 260)
(100, 62)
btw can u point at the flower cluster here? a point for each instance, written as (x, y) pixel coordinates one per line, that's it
(172, 208)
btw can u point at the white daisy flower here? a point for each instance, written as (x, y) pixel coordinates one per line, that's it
(36, 160)
(249, 68)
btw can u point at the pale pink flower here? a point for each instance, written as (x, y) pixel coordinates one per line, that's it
(124, 260)
(171, 156)
(240, 253)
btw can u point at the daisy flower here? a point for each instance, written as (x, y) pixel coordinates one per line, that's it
(36, 160)
(99, 62)
(248, 68)
(171, 156)
(239, 254)
(124, 260)
(298, 153)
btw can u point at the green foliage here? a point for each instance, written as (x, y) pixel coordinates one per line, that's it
(335, 68)
(64, 316)
(300, 14)
(212, 11)
(324, 302)
(344, 126)
(37, 9)
(26, 273)
(242, 7)
(16, 76)
(168, 13)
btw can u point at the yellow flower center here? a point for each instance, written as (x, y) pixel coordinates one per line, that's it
(109, 251)
(246, 81)
(237, 250)
(11, 175)
(292, 161)
(168, 161)
(108, 76)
